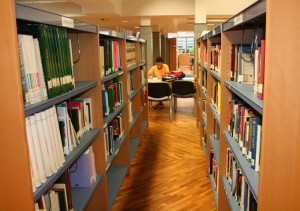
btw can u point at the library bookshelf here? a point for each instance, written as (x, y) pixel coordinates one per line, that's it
(272, 189)
(16, 180)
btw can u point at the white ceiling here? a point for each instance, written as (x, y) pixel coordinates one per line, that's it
(166, 15)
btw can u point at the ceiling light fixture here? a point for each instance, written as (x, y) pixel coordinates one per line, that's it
(137, 27)
(124, 21)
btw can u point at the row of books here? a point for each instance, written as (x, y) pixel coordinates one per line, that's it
(239, 187)
(59, 195)
(216, 58)
(113, 132)
(110, 58)
(245, 126)
(216, 96)
(204, 79)
(214, 170)
(130, 86)
(112, 96)
(46, 62)
(248, 65)
(142, 53)
(130, 54)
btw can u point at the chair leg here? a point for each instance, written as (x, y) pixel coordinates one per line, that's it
(175, 104)
(171, 108)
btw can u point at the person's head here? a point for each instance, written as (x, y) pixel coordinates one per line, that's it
(159, 62)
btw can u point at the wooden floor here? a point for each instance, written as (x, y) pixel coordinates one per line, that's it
(168, 169)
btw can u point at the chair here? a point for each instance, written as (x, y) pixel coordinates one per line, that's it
(160, 91)
(183, 89)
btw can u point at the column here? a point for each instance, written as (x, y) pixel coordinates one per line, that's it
(146, 34)
(163, 47)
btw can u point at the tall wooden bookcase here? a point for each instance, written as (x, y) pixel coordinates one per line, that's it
(15, 177)
(275, 187)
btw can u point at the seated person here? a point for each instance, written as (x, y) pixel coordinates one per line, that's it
(158, 71)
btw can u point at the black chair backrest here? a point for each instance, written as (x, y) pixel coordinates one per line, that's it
(158, 90)
(183, 87)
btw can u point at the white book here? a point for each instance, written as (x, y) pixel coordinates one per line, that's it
(256, 63)
(107, 104)
(242, 199)
(37, 148)
(43, 144)
(54, 201)
(40, 69)
(89, 112)
(102, 69)
(130, 117)
(58, 134)
(51, 147)
(62, 187)
(32, 176)
(36, 207)
(258, 144)
(52, 137)
(62, 117)
(72, 140)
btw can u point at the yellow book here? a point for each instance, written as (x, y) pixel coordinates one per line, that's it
(219, 97)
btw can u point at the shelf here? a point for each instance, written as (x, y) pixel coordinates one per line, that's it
(199, 126)
(215, 113)
(135, 117)
(142, 64)
(204, 67)
(132, 68)
(82, 196)
(246, 93)
(110, 33)
(142, 41)
(109, 118)
(251, 176)
(215, 32)
(199, 104)
(205, 95)
(204, 148)
(204, 37)
(115, 176)
(112, 76)
(215, 74)
(131, 38)
(215, 144)
(231, 199)
(118, 145)
(27, 13)
(80, 87)
(134, 143)
(85, 142)
(255, 11)
(204, 119)
(144, 126)
(144, 84)
(213, 189)
(134, 93)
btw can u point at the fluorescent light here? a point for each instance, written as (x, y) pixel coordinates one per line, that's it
(210, 24)
(137, 27)
(124, 21)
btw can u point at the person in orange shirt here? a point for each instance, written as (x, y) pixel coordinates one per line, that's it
(158, 71)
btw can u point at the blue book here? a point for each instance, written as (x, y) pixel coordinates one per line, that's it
(246, 197)
(103, 102)
(256, 122)
(80, 172)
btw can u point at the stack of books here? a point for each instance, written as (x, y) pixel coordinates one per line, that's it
(112, 96)
(130, 54)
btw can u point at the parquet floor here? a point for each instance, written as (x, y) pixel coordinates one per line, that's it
(168, 169)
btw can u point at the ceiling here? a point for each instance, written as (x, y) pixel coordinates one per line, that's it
(167, 16)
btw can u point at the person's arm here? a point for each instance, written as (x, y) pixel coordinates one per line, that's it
(167, 68)
(151, 72)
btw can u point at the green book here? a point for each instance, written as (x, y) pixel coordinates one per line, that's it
(117, 81)
(110, 93)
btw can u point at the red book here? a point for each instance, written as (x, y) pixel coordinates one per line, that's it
(262, 71)
(146, 96)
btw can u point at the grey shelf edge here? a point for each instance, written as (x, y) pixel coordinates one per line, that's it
(27, 13)
(80, 87)
(205, 95)
(213, 189)
(85, 142)
(204, 66)
(144, 126)
(144, 84)
(199, 104)
(142, 41)
(215, 75)
(231, 199)
(215, 144)
(215, 32)
(109, 118)
(110, 33)
(204, 148)
(115, 176)
(82, 196)
(135, 117)
(134, 143)
(251, 176)
(204, 119)
(245, 92)
(215, 113)
(130, 97)
(115, 152)
(112, 76)
(132, 68)
(199, 126)
(131, 38)
(142, 64)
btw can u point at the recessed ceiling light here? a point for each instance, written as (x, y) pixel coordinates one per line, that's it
(210, 24)
(137, 27)
(124, 21)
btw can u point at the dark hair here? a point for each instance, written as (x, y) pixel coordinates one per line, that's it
(159, 59)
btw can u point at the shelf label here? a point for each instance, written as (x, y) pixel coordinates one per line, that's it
(238, 19)
(260, 88)
(113, 33)
(67, 22)
(240, 78)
